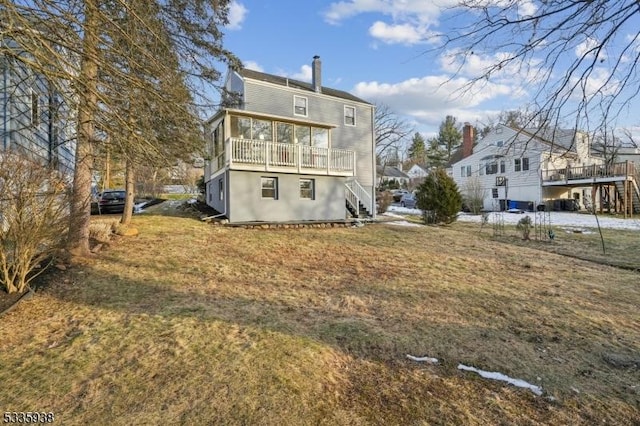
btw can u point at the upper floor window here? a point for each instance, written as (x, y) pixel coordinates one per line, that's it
(500, 143)
(349, 115)
(502, 166)
(300, 106)
(521, 164)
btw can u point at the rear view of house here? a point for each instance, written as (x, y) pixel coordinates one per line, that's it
(286, 150)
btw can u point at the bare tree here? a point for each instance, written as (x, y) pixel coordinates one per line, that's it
(474, 193)
(391, 131)
(580, 56)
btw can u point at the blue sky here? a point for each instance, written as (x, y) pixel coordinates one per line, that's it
(380, 50)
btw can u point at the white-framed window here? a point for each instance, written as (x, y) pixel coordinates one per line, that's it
(300, 106)
(307, 189)
(503, 166)
(463, 171)
(468, 171)
(481, 169)
(500, 143)
(521, 164)
(221, 189)
(349, 115)
(269, 187)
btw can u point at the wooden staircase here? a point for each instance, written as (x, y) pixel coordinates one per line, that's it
(635, 192)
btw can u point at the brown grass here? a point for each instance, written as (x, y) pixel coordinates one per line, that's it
(195, 324)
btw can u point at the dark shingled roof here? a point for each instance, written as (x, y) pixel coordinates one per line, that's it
(391, 172)
(296, 84)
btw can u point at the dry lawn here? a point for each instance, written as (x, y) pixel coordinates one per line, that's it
(194, 324)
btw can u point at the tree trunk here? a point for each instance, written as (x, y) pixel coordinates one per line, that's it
(129, 187)
(78, 242)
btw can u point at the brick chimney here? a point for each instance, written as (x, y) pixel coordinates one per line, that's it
(467, 140)
(316, 74)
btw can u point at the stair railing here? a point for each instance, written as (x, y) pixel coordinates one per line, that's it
(361, 194)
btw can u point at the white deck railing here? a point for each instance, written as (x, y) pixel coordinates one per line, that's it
(250, 153)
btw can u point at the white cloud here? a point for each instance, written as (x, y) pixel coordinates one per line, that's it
(426, 12)
(412, 20)
(588, 48)
(304, 74)
(402, 33)
(500, 65)
(253, 65)
(237, 14)
(429, 99)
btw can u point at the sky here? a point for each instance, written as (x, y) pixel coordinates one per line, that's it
(385, 51)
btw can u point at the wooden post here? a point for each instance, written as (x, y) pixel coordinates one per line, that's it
(594, 189)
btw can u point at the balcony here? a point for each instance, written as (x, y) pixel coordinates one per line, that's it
(597, 173)
(257, 155)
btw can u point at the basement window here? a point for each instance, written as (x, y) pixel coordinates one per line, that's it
(269, 187)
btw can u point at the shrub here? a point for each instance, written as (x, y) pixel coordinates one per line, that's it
(439, 198)
(524, 226)
(34, 219)
(383, 201)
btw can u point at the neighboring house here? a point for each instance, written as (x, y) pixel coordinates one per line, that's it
(524, 168)
(286, 150)
(417, 172)
(390, 174)
(31, 115)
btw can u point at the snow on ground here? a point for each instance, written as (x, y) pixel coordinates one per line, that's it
(503, 378)
(571, 222)
(403, 223)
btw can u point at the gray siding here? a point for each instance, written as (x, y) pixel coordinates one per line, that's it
(277, 100)
(43, 136)
(213, 192)
(247, 205)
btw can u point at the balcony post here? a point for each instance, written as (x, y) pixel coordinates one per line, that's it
(328, 161)
(298, 151)
(267, 157)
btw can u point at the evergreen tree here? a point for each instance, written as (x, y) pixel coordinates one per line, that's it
(439, 198)
(436, 156)
(449, 136)
(417, 150)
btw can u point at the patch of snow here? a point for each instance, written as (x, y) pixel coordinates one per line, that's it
(389, 214)
(403, 223)
(404, 210)
(574, 230)
(562, 219)
(139, 207)
(192, 201)
(423, 359)
(503, 378)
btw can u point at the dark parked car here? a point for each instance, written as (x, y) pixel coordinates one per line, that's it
(408, 200)
(111, 201)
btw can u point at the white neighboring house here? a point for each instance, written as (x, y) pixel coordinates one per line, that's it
(524, 168)
(417, 172)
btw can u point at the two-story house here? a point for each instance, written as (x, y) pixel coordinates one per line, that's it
(32, 115)
(286, 150)
(524, 168)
